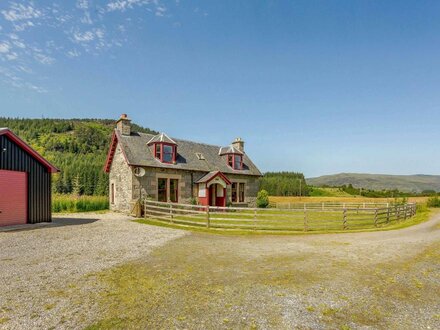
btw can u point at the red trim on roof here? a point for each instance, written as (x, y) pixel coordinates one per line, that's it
(111, 153)
(8, 133)
(220, 174)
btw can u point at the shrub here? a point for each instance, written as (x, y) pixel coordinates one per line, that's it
(434, 202)
(262, 199)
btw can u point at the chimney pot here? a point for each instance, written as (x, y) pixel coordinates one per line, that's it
(123, 124)
(238, 144)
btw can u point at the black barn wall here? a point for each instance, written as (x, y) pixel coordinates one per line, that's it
(14, 158)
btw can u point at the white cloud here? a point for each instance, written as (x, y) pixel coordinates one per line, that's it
(64, 29)
(19, 12)
(160, 11)
(4, 47)
(44, 59)
(12, 56)
(73, 53)
(84, 36)
(82, 4)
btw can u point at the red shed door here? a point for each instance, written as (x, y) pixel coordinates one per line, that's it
(13, 198)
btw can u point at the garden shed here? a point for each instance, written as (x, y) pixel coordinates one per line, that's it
(25, 182)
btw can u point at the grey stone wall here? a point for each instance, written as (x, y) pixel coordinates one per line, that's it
(148, 183)
(251, 185)
(121, 176)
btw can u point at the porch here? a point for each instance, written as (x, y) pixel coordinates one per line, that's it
(212, 189)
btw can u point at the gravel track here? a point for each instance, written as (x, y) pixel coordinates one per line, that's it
(37, 262)
(46, 272)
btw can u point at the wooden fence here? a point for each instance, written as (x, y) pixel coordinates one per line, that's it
(327, 218)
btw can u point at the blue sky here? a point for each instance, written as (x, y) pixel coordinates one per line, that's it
(313, 86)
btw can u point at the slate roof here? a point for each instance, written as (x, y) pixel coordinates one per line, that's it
(138, 153)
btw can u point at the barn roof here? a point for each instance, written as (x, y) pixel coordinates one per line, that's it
(8, 133)
(137, 153)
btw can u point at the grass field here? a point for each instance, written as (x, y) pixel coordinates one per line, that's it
(328, 192)
(347, 199)
(70, 203)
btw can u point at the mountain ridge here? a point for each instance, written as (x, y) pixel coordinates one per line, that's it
(405, 183)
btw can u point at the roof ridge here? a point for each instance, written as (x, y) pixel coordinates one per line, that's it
(185, 140)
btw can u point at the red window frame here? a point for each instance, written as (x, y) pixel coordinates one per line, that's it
(232, 161)
(159, 152)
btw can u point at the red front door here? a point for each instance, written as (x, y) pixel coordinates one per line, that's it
(13, 198)
(217, 195)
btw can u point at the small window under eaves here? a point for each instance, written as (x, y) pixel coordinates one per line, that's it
(200, 156)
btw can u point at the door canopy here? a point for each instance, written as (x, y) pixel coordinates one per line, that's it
(215, 177)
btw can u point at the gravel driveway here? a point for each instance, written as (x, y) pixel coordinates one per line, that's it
(62, 276)
(38, 262)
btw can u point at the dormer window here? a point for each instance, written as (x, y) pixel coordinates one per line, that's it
(166, 153)
(164, 148)
(234, 157)
(235, 161)
(158, 152)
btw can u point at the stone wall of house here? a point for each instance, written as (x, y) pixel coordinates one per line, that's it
(148, 183)
(252, 186)
(122, 179)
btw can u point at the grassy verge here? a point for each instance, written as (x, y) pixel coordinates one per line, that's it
(70, 203)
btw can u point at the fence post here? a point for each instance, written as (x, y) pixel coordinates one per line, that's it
(306, 225)
(388, 213)
(145, 209)
(344, 219)
(375, 218)
(255, 219)
(323, 206)
(171, 212)
(208, 220)
(405, 207)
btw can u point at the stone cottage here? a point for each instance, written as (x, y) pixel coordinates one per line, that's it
(179, 171)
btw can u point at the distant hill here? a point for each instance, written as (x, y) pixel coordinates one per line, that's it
(405, 183)
(78, 147)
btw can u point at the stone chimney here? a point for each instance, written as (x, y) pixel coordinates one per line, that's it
(123, 125)
(238, 143)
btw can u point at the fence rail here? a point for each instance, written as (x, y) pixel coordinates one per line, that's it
(326, 205)
(328, 217)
